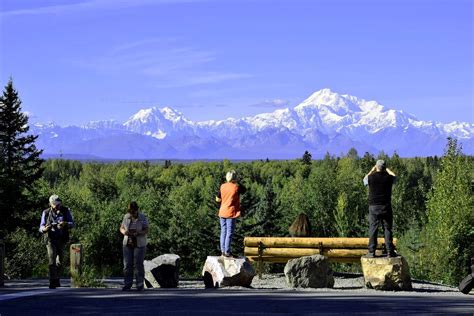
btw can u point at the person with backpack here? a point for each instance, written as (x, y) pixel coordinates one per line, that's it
(56, 221)
(380, 180)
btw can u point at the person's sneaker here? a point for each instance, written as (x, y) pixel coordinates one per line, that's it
(52, 285)
(228, 255)
(140, 288)
(57, 283)
(370, 255)
(126, 288)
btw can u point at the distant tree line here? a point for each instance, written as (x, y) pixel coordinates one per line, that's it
(432, 202)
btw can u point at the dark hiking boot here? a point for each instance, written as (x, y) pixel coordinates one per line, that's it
(140, 288)
(52, 284)
(370, 255)
(392, 254)
(126, 288)
(57, 283)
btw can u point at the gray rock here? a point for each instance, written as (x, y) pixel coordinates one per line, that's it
(309, 272)
(387, 274)
(223, 272)
(162, 271)
(150, 280)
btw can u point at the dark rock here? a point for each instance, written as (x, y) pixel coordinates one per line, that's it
(309, 272)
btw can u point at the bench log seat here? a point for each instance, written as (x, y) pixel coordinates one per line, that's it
(282, 249)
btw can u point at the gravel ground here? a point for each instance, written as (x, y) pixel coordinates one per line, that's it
(343, 282)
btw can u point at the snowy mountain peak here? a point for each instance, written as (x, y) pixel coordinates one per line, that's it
(323, 96)
(173, 115)
(155, 114)
(158, 123)
(145, 115)
(326, 100)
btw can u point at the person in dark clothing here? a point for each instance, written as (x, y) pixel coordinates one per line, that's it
(380, 180)
(55, 224)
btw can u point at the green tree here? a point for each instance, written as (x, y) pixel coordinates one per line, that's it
(349, 181)
(266, 213)
(321, 192)
(449, 233)
(293, 200)
(20, 162)
(306, 159)
(340, 216)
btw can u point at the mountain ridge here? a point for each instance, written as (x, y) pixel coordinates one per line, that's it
(323, 122)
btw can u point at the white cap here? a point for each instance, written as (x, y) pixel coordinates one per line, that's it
(231, 175)
(380, 165)
(54, 200)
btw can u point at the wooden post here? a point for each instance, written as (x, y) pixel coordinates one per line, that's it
(261, 247)
(76, 263)
(2, 263)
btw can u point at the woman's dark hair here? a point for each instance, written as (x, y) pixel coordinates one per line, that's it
(132, 206)
(301, 227)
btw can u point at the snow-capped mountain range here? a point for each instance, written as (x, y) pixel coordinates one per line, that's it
(324, 122)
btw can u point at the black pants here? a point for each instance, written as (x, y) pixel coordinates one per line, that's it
(380, 215)
(55, 258)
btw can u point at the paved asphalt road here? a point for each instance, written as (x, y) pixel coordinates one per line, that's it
(33, 298)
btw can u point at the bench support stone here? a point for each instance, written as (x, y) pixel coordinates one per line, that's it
(387, 274)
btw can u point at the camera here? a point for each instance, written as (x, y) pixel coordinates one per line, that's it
(54, 225)
(132, 241)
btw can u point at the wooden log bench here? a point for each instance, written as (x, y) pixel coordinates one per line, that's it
(282, 249)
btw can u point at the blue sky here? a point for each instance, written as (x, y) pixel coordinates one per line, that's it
(79, 60)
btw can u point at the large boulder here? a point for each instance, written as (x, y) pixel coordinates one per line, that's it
(162, 271)
(222, 272)
(387, 274)
(309, 271)
(150, 280)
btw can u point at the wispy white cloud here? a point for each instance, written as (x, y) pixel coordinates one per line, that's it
(199, 78)
(88, 5)
(166, 63)
(176, 59)
(276, 103)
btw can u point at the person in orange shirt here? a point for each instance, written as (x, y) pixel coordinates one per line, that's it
(229, 197)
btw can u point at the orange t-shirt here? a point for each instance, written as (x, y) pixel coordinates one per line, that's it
(230, 200)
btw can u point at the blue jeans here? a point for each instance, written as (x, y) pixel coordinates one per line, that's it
(133, 257)
(227, 230)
